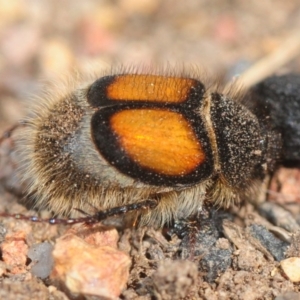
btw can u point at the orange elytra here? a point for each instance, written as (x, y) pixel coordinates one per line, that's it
(150, 88)
(158, 139)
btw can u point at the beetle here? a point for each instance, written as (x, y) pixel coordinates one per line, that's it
(151, 146)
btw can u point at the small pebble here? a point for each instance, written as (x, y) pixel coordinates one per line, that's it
(90, 268)
(42, 259)
(291, 268)
(14, 251)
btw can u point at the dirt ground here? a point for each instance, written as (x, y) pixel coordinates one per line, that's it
(243, 253)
